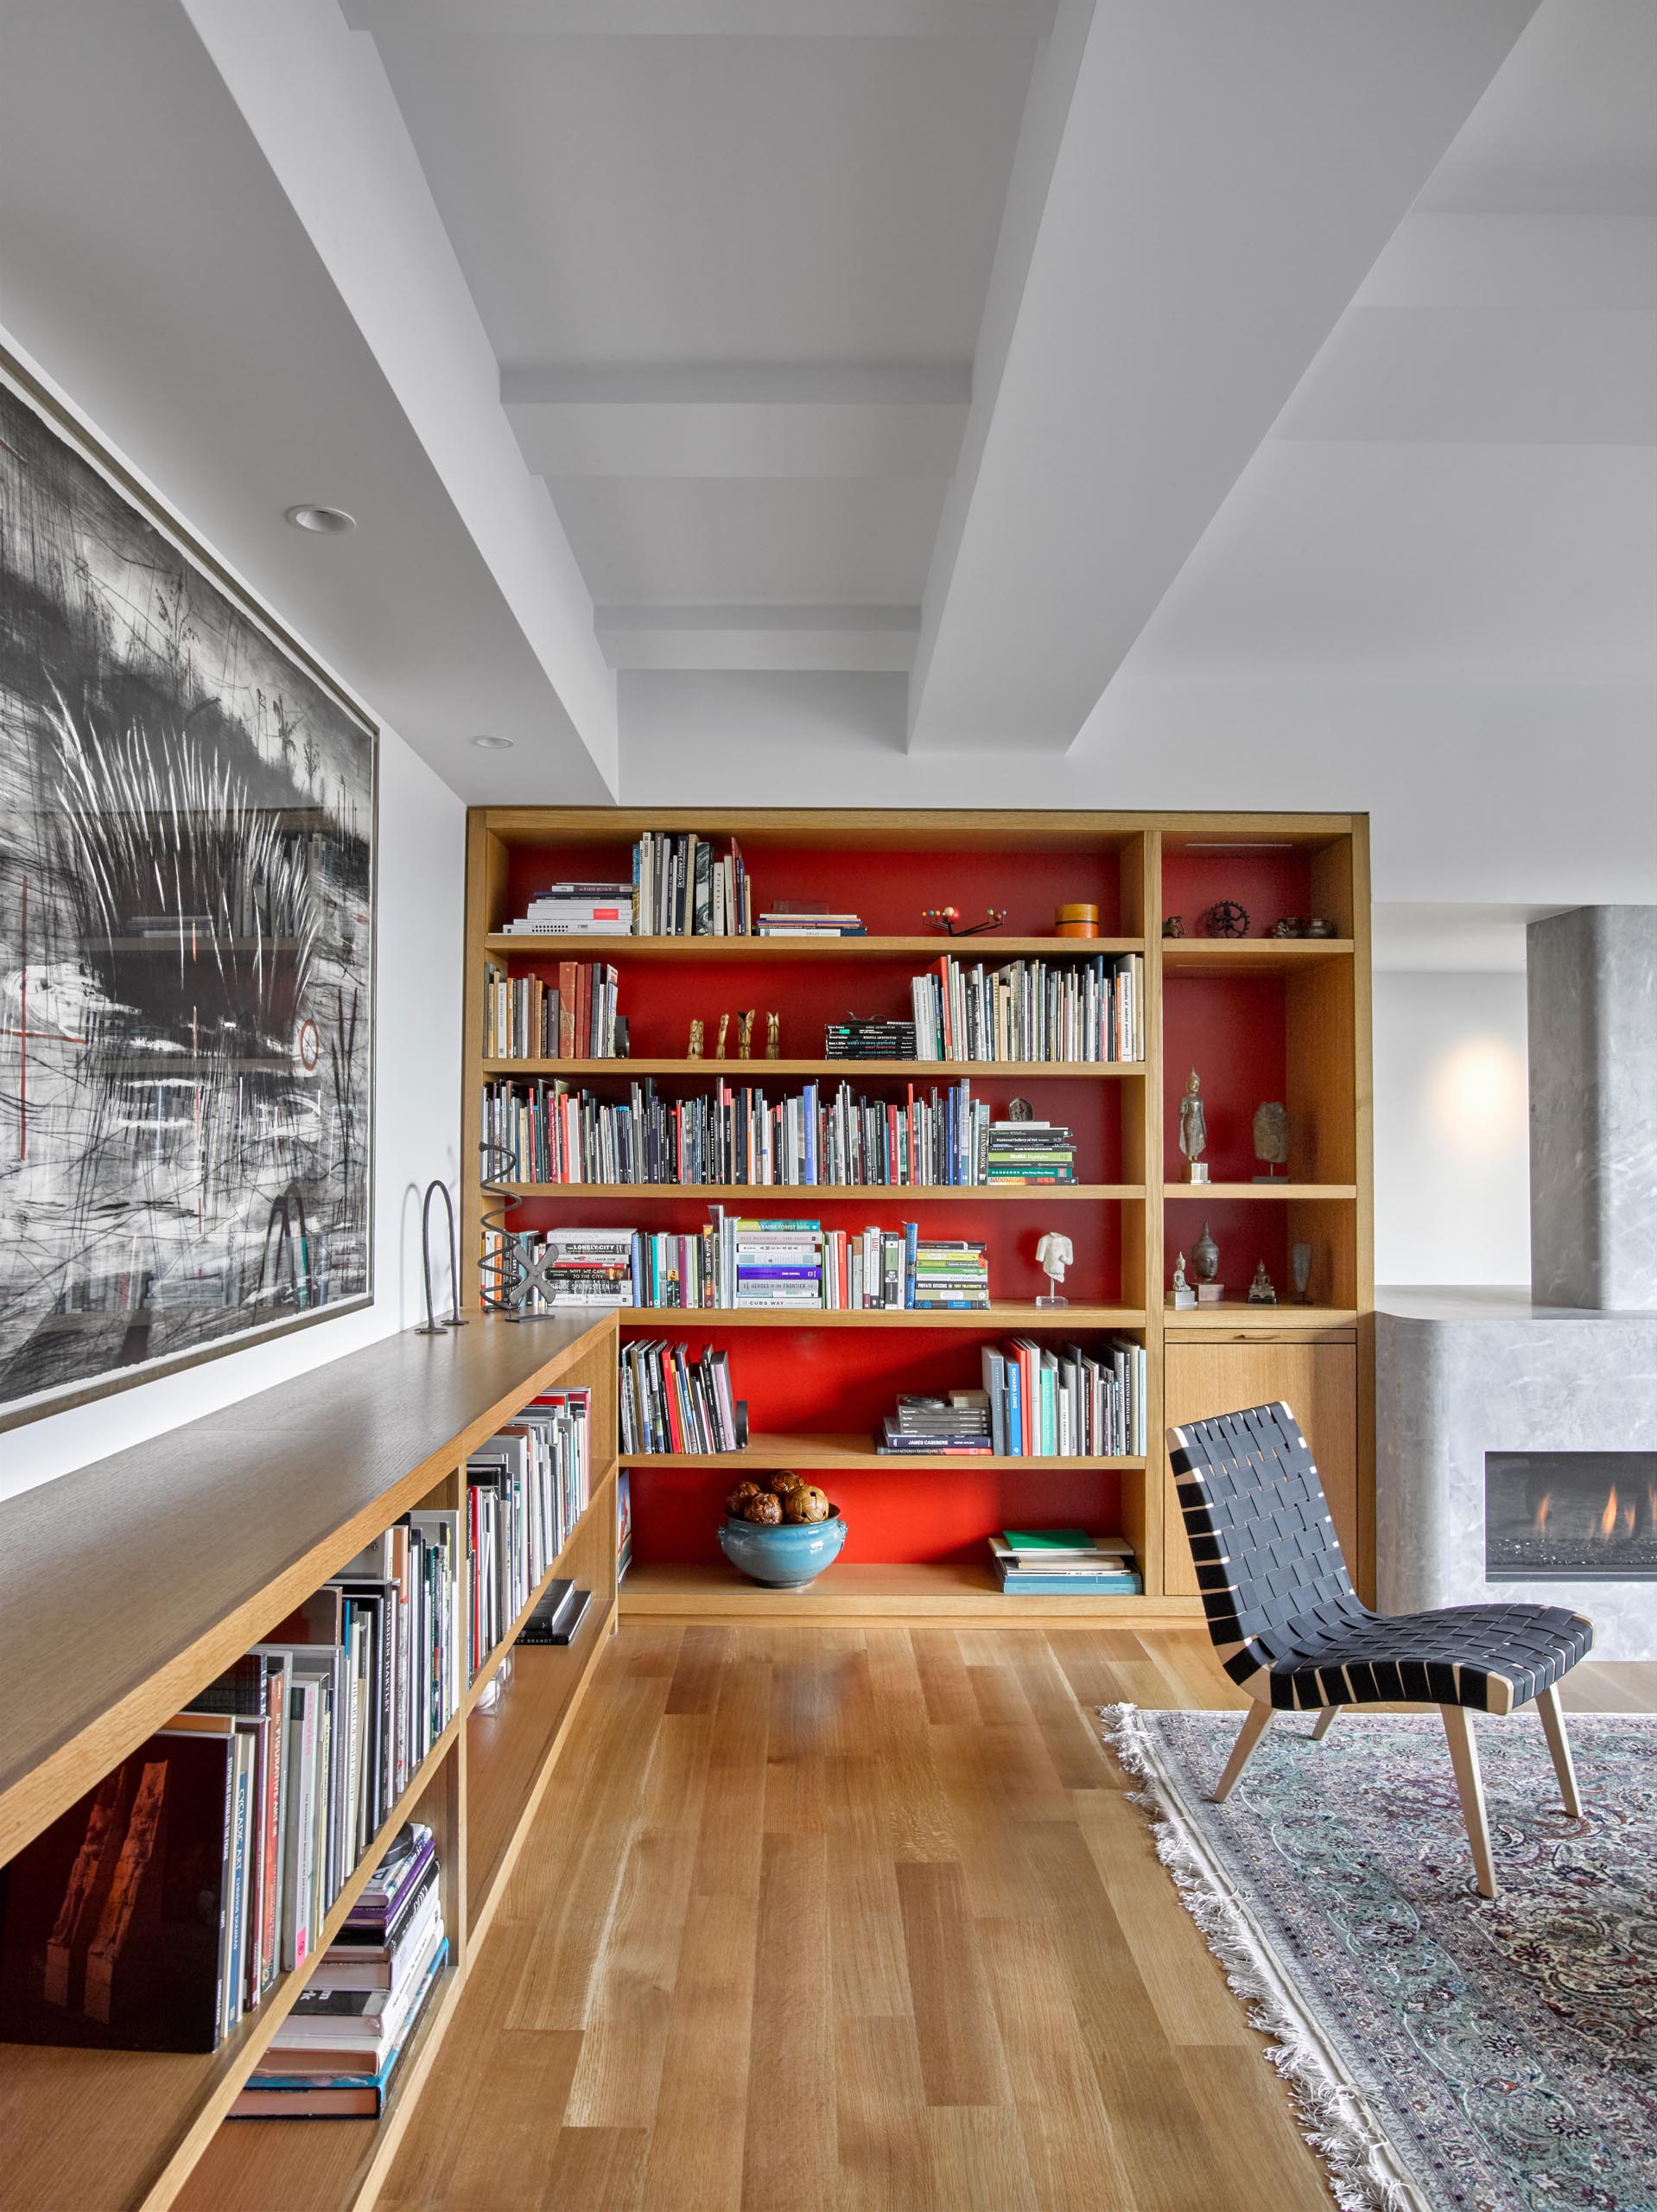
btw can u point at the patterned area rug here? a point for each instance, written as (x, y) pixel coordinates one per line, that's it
(1445, 2053)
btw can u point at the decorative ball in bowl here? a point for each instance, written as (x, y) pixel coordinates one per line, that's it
(782, 1535)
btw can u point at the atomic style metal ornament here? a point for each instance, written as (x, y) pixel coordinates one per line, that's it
(1225, 917)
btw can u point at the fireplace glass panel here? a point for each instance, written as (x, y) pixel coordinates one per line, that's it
(1568, 1516)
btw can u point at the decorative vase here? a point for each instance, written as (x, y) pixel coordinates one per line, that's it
(789, 1557)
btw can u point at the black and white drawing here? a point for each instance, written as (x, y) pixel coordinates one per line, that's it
(186, 908)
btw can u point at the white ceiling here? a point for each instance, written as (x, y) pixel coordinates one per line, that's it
(976, 372)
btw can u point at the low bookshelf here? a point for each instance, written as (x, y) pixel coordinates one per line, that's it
(129, 1587)
(1262, 1016)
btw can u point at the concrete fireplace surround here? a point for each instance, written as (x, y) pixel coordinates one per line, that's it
(1459, 1373)
(1570, 1363)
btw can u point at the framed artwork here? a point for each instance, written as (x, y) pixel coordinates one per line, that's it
(187, 825)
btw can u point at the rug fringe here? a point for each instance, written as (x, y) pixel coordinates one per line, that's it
(1365, 2173)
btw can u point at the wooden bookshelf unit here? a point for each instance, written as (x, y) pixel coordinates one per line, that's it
(127, 1586)
(1261, 1017)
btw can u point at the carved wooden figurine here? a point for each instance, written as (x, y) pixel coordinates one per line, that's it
(745, 1034)
(694, 1054)
(724, 1026)
(773, 1036)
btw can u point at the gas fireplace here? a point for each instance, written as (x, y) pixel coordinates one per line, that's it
(1566, 1516)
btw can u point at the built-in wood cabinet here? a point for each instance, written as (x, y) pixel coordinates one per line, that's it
(1318, 1379)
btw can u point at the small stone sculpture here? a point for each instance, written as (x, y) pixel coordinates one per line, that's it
(1261, 1292)
(694, 1052)
(1020, 1109)
(1173, 925)
(1053, 1255)
(1300, 1268)
(1205, 1258)
(1290, 925)
(1271, 1137)
(745, 1034)
(1319, 927)
(773, 1036)
(1194, 1131)
(1184, 1296)
(724, 1030)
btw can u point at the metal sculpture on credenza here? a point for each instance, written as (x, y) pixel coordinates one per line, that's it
(432, 1326)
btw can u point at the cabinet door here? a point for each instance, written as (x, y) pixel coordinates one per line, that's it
(1320, 1381)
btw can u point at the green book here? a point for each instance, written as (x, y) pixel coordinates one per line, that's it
(1049, 1540)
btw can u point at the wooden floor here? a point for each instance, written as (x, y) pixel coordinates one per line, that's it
(817, 1918)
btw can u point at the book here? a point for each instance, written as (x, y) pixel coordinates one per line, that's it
(288, 2084)
(117, 1917)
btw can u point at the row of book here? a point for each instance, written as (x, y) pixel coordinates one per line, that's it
(525, 1489)
(160, 1909)
(1063, 1401)
(1085, 1010)
(739, 1263)
(670, 1400)
(540, 1130)
(681, 888)
(859, 1040)
(575, 1018)
(1064, 1562)
(334, 2056)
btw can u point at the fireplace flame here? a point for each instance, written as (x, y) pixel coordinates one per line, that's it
(1541, 1514)
(1608, 1519)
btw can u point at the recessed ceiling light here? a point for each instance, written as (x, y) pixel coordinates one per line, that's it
(325, 522)
(494, 744)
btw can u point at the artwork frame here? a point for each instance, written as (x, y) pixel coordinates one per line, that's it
(201, 753)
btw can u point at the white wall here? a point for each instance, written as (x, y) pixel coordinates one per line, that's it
(1452, 1153)
(422, 863)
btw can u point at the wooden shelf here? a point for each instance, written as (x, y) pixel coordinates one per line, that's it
(603, 1495)
(1234, 1313)
(1059, 1071)
(853, 1592)
(927, 1193)
(993, 952)
(1199, 1192)
(1026, 1319)
(1249, 956)
(779, 1449)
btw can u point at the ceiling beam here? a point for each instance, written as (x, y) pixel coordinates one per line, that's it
(709, 421)
(1225, 178)
(869, 640)
(709, 18)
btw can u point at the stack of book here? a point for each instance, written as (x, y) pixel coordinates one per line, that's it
(558, 1616)
(1058, 1562)
(670, 1402)
(159, 1911)
(948, 1274)
(957, 1424)
(585, 1267)
(526, 1488)
(778, 1264)
(1029, 1152)
(578, 910)
(1061, 1402)
(540, 1130)
(805, 917)
(335, 2055)
(853, 1040)
(681, 887)
(1071, 1010)
(524, 1019)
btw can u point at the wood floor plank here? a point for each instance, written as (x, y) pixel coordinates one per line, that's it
(882, 2162)
(962, 2060)
(730, 1842)
(977, 2158)
(790, 2155)
(701, 2121)
(600, 2169)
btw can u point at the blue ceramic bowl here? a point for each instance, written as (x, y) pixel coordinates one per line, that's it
(785, 1558)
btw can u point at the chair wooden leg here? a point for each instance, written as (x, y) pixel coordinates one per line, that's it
(1552, 1718)
(1256, 1720)
(1464, 1758)
(1326, 1720)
